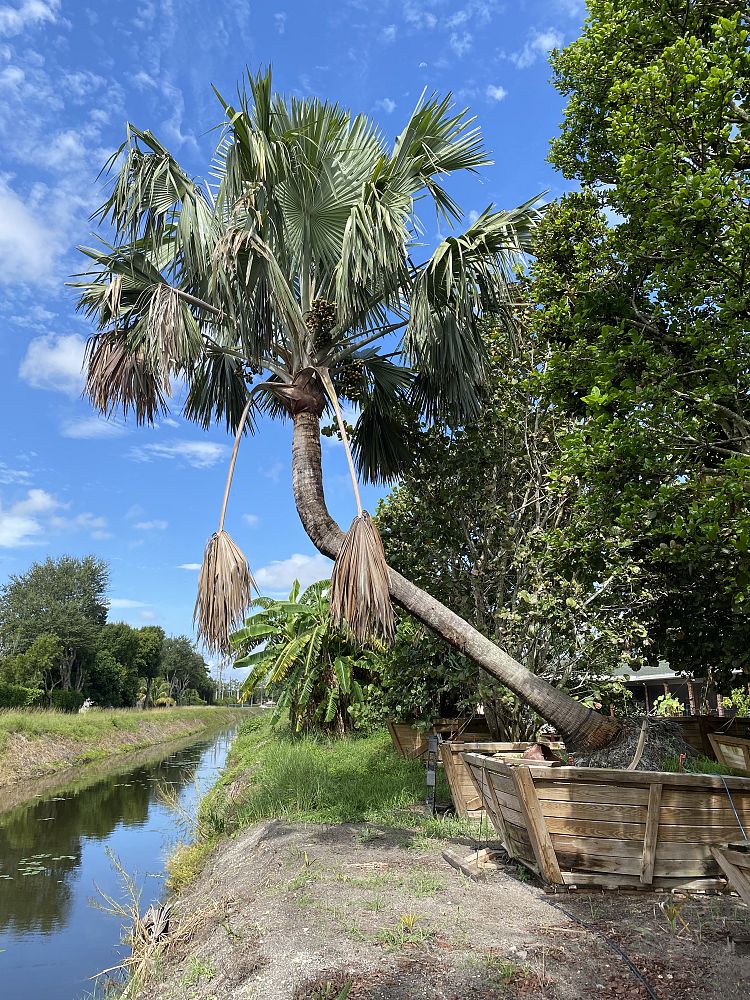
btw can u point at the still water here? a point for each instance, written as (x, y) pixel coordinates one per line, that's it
(54, 859)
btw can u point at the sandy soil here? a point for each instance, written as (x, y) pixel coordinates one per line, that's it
(300, 912)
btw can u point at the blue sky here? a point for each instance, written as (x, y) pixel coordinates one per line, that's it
(71, 74)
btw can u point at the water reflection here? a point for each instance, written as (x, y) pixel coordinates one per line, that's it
(52, 856)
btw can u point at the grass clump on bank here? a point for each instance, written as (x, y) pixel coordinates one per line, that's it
(310, 779)
(36, 742)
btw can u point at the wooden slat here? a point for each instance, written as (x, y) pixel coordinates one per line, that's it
(736, 878)
(496, 815)
(679, 799)
(665, 851)
(538, 833)
(652, 834)
(633, 882)
(632, 866)
(601, 776)
(554, 791)
(594, 810)
(738, 858)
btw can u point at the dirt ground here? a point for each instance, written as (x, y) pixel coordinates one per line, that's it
(300, 912)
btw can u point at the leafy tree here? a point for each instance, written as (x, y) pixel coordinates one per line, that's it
(471, 520)
(149, 656)
(60, 597)
(648, 318)
(183, 668)
(38, 667)
(300, 279)
(315, 670)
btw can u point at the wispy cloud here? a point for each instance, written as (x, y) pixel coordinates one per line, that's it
(386, 104)
(155, 525)
(281, 574)
(198, 454)
(538, 45)
(190, 567)
(92, 428)
(389, 33)
(125, 602)
(54, 363)
(27, 13)
(251, 519)
(495, 92)
(39, 514)
(279, 19)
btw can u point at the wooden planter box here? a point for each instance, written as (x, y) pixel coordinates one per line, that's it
(466, 797)
(698, 729)
(731, 751)
(410, 742)
(609, 827)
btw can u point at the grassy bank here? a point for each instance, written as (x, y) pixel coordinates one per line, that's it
(35, 743)
(271, 774)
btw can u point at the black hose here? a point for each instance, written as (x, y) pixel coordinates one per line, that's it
(615, 947)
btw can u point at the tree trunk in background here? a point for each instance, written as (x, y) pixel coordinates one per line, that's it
(582, 728)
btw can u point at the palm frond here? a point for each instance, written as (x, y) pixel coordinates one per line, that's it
(225, 590)
(360, 596)
(119, 378)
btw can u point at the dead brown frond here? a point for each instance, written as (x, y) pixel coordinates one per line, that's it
(224, 592)
(119, 377)
(360, 598)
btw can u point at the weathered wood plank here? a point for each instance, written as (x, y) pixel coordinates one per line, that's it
(736, 878)
(652, 834)
(632, 866)
(665, 851)
(601, 880)
(554, 791)
(594, 810)
(537, 828)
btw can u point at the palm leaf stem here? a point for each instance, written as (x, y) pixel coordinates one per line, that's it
(235, 449)
(326, 379)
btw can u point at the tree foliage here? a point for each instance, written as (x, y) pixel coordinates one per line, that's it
(315, 671)
(642, 283)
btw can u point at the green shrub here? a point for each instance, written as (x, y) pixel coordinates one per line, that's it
(16, 696)
(66, 701)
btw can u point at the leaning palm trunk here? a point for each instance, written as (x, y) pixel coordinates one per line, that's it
(581, 728)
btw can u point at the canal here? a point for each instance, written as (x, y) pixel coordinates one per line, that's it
(56, 859)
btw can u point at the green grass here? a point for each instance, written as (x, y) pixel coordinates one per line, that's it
(701, 765)
(34, 723)
(308, 779)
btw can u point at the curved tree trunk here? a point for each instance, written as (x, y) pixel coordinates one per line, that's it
(582, 728)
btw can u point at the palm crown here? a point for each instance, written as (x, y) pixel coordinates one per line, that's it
(298, 256)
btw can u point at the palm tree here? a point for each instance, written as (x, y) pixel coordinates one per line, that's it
(293, 278)
(311, 664)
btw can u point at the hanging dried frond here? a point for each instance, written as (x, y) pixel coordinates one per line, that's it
(111, 300)
(360, 598)
(165, 325)
(119, 377)
(225, 590)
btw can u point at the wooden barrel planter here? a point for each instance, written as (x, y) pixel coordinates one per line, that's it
(577, 826)
(410, 742)
(466, 798)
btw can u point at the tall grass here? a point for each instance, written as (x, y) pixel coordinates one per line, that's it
(89, 725)
(312, 779)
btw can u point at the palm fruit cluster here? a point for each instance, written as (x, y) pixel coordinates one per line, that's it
(320, 320)
(349, 379)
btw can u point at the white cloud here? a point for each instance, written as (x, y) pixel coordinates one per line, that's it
(14, 19)
(281, 574)
(36, 502)
(386, 104)
(190, 567)
(473, 216)
(156, 525)
(539, 44)
(16, 531)
(461, 43)
(25, 246)
(55, 363)
(8, 475)
(389, 33)
(251, 519)
(91, 428)
(125, 602)
(417, 16)
(198, 454)
(496, 93)
(169, 422)
(280, 21)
